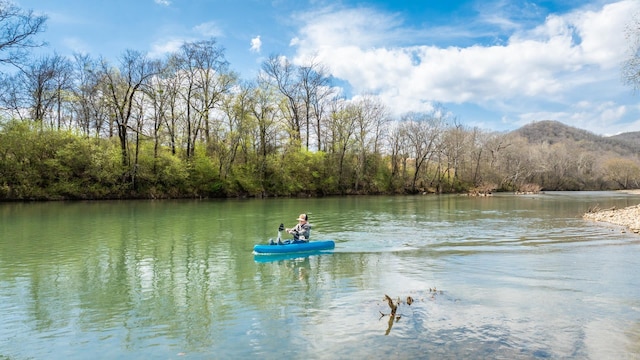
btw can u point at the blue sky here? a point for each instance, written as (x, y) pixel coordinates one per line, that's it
(495, 64)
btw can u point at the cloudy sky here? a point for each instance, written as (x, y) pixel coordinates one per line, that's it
(494, 64)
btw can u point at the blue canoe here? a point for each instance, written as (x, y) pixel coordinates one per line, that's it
(265, 249)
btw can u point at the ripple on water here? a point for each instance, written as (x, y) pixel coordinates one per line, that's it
(496, 233)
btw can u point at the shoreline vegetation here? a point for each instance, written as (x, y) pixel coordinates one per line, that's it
(628, 217)
(40, 163)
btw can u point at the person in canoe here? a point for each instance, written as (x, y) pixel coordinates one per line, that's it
(301, 232)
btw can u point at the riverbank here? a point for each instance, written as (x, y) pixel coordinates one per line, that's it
(628, 217)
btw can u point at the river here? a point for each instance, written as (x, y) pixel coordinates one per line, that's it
(512, 277)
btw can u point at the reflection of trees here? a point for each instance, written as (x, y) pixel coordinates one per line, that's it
(148, 271)
(119, 274)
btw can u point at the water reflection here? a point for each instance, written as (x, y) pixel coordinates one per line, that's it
(291, 256)
(523, 277)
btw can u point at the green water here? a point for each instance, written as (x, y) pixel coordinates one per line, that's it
(515, 277)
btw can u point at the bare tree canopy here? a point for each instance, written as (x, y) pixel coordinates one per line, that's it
(17, 30)
(631, 66)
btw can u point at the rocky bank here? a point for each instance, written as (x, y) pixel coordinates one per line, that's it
(628, 217)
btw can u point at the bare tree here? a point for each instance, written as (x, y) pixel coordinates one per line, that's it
(121, 86)
(314, 86)
(624, 173)
(342, 127)
(63, 82)
(476, 145)
(512, 161)
(38, 78)
(264, 111)
(399, 154)
(88, 102)
(283, 74)
(306, 89)
(631, 66)
(208, 80)
(17, 32)
(156, 91)
(453, 150)
(45, 80)
(174, 79)
(13, 97)
(235, 134)
(370, 123)
(424, 132)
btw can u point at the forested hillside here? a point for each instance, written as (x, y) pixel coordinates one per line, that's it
(632, 139)
(627, 144)
(579, 160)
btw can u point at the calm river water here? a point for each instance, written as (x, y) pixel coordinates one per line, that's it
(510, 277)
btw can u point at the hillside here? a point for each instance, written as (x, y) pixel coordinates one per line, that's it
(626, 144)
(631, 138)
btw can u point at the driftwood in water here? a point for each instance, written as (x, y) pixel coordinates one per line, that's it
(394, 308)
(394, 305)
(394, 315)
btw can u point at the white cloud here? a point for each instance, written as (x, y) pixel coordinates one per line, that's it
(208, 29)
(256, 44)
(550, 63)
(76, 45)
(602, 32)
(160, 49)
(173, 43)
(362, 26)
(163, 2)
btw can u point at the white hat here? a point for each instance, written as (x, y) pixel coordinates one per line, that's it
(302, 217)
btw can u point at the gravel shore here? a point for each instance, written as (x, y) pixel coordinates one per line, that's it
(628, 217)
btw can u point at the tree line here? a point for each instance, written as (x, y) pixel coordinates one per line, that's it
(187, 125)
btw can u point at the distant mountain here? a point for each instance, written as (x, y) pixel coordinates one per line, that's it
(632, 138)
(626, 144)
(553, 132)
